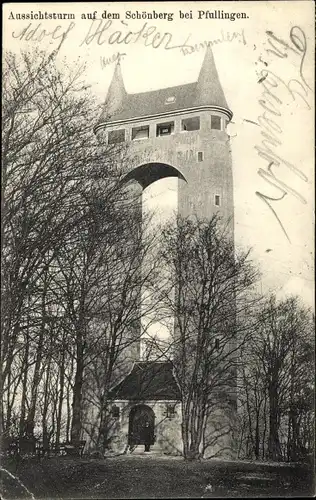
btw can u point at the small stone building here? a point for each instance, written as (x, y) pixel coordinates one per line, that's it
(150, 394)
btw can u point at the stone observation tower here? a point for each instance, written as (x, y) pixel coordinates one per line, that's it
(172, 132)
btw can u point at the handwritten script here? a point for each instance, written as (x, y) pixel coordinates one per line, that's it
(149, 35)
(102, 32)
(33, 32)
(106, 61)
(225, 37)
(296, 89)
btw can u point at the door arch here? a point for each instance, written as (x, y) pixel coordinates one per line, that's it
(139, 416)
(151, 172)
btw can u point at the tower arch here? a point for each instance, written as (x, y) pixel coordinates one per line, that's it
(150, 172)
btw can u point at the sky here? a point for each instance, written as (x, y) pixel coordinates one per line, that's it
(269, 50)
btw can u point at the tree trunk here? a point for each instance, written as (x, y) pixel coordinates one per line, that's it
(68, 398)
(264, 427)
(60, 396)
(185, 430)
(241, 439)
(22, 427)
(76, 425)
(45, 408)
(250, 431)
(274, 442)
(192, 430)
(289, 444)
(257, 434)
(7, 419)
(54, 408)
(103, 435)
(38, 361)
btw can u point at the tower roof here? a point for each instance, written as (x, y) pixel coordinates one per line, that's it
(206, 91)
(208, 88)
(116, 96)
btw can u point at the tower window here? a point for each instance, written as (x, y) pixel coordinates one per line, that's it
(116, 136)
(216, 122)
(200, 155)
(217, 200)
(170, 411)
(216, 343)
(140, 133)
(115, 412)
(165, 129)
(170, 100)
(191, 124)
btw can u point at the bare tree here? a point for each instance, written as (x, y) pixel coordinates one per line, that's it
(253, 400)
(278, 379)
(98, 283)
(212, 283)
(50, 161)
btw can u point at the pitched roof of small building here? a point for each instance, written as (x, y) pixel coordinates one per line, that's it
(207, 90)
(148, 380)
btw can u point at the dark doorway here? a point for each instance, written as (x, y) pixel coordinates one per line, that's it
(141, 424)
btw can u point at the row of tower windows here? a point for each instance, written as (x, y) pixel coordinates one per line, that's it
(162, 129)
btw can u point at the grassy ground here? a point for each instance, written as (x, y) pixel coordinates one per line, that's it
(152, 477)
